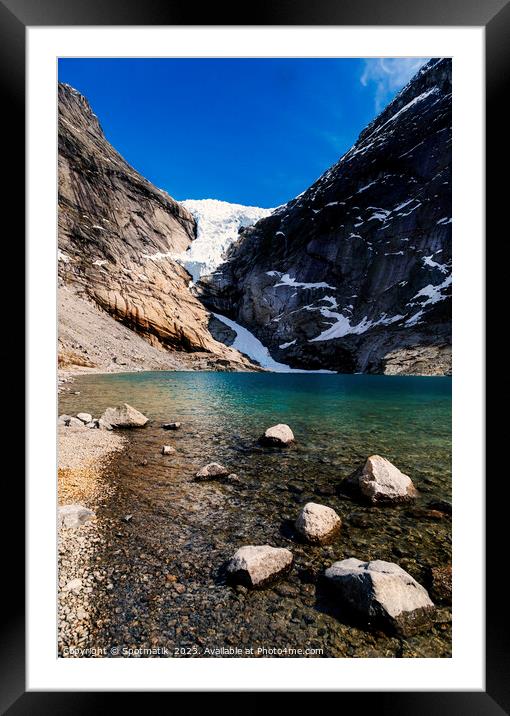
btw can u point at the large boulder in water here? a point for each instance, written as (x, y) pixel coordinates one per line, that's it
(382, 592)
(278, 435)
(380, 481)
(257, 566)
(318, 524)
(124, 416)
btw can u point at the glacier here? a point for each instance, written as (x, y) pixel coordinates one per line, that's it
(218, 224)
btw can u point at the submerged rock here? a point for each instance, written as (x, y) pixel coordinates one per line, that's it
(75, 515)
(383, 591)
(84, 417)
(318, 524)
(277, 435)
(257, 566)
(124, 416)
(168, 450)
(440, 506)
(232, 479)
(441, 584)
(211, 471)
(380, 481)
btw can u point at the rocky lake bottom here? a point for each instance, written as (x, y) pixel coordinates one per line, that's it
(161, 541)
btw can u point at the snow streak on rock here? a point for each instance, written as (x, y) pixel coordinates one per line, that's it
(246, 343)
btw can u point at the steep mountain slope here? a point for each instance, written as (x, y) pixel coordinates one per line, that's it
(117, 236)
(355, 273)
(218, 225)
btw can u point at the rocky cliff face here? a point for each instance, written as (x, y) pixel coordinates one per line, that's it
(355, 273)
(117, 238)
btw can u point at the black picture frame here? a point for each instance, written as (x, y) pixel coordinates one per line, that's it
(494, 15)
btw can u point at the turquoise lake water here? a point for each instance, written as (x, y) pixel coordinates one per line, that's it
(338, 421)
(406, 419)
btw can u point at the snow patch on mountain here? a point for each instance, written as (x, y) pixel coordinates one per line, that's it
(247, 343)
(342, 325)
(218, 224)
(287, 280)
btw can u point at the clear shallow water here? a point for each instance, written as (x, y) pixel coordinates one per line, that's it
(338, 420)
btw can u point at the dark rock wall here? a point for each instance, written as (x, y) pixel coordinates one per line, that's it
(355, 274)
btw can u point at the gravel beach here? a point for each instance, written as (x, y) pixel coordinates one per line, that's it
(83, 455)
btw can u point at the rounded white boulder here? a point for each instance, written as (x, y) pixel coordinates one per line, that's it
(318, 524)
(278, 435)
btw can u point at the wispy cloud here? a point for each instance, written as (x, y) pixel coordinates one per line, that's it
(388, 75)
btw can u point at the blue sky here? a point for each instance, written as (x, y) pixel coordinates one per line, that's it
(249, 131)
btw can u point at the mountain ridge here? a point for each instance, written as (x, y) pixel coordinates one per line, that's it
(117, 238)
(354, 274)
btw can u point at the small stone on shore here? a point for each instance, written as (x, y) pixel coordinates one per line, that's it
(75, 423)
(171, 426)
(84, 417)
(168, 450)
(72, 516)
(74, 585)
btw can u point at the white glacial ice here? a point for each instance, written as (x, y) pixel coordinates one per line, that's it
(218, 224)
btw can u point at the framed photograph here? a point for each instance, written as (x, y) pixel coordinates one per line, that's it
(255, 375)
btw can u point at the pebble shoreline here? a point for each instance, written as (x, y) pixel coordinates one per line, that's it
(83, 456)
(85, 584)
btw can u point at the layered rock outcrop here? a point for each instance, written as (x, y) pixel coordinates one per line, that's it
(355, 273)
(118, 235)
